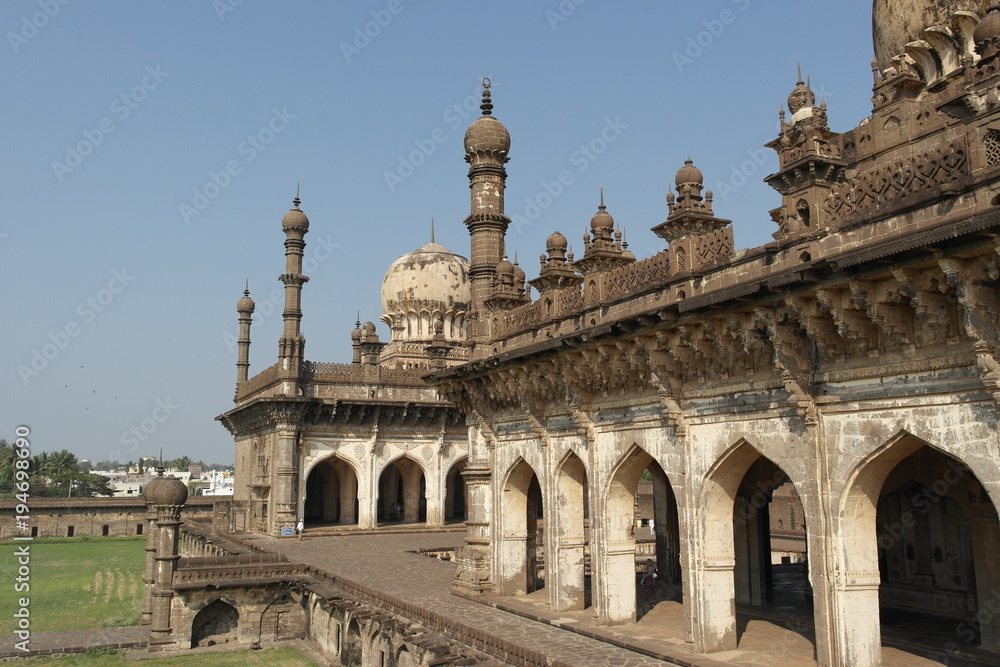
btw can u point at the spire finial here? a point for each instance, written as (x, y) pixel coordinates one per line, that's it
(246, 288)
(515, 258)
(296, 201)
(800, 82)
(432, 230)
(601, 206)
(357, 322)
(487, 105)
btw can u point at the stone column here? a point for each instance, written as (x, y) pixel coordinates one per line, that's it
(161, 636)
(284, 492)
(149, 572)
(474, 559)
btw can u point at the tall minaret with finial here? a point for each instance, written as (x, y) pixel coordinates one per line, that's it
(487, 143)
(245, 308)
(291, 346)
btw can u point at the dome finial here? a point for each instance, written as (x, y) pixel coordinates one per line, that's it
(246, 288)
(487, 105)
(601, 206)
(432, 230)
(357, 322)
(799, 81)
(296, 201)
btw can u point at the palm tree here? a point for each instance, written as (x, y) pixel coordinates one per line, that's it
(61, 463)
(181, 464)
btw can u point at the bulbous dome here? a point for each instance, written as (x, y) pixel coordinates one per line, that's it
(165, 491)
(556, 242)
(989, 28)
(246, 304)
(504, 267)
(431, 280)
(602, 219)
(295, 219)
(896, 23)
(487, 135)
(689, 174)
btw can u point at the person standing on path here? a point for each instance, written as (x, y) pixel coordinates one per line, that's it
(299, 528)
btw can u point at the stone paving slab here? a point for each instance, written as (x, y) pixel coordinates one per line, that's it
(386, 563)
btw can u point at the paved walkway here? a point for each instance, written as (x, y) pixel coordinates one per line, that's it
(388, 563)
(76, 641)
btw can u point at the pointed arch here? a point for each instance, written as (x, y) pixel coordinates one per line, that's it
(618, 583)
(216, 623)
(918, 527)
(520, 505)
(456, 494)
(331, 491)
(402, 488)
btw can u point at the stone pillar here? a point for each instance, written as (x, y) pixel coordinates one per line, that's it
(474, 559)
(149, 572)
(986, 555)
(284, 492)
(858, 631)
(564, 541)
(165, 497)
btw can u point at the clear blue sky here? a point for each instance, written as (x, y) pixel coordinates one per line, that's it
(117, 112)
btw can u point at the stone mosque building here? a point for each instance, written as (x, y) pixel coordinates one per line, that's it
(853, 362)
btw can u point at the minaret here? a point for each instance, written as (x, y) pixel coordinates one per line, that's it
(291, 346)
(165, 497)
(487, 143)
(356, 335)
(245, 308)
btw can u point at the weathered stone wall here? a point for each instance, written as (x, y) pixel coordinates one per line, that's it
(90, 517)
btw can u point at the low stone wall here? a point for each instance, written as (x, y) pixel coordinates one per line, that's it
(90, 517)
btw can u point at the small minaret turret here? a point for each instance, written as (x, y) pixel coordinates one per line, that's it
(291, 346)
(487, 143)
(245, 308)
(356, 335)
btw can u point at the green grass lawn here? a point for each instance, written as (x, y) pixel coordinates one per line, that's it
(282, 657)
(76, 584)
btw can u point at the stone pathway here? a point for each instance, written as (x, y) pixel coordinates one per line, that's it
(76, 641)
(388, 564)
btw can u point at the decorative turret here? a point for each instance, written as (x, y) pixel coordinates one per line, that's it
(696, 237)
(556, 268)
(356, 335)
(370, 345)
(165, 497)
(603, 248)
(508, 291)
(291, 345)
(987, 34)
(244, 307)
(809, 164)
(487, 143)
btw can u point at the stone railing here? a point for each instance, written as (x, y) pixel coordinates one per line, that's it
(265, 378)
(633, 278)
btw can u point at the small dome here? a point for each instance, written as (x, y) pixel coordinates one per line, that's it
(556, 242)
(246, 304)
(602, 219)
(295, 219)
(487, 135)
(989, 28)
(802, 96)
(689, 174)
(504, 267)
(357, 333)
(165, 491)
(369, 328)
(519, 274)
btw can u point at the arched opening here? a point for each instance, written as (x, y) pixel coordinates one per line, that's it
(404, 658)
(352, 648)
(521, 522)
(754, 562)
(568, 523)
(455, 502)
(402, 490)
(923, 522)
(802, 209)
(331, 493)
(642, 525)
(217, 623)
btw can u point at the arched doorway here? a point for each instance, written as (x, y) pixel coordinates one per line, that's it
(331, 493)
(455, 502)
(741, 564)
(217, 623)
(402, 490)
(921, 520)
(353, 646)
(631, 538)
(521, 520)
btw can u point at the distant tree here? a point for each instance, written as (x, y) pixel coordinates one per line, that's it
(182, 464)
(7, 459)
(60, 463)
